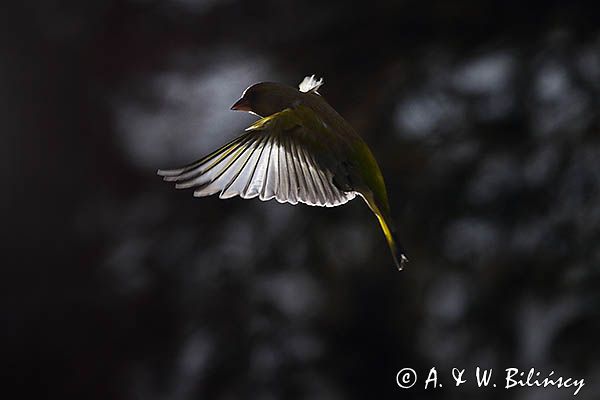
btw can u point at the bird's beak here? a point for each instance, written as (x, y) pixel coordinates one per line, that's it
(241, 105)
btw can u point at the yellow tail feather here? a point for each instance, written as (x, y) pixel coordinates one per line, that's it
(398, 255)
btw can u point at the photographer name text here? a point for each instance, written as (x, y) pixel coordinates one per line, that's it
(509, 378)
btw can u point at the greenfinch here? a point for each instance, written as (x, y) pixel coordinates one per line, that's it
(299, 151)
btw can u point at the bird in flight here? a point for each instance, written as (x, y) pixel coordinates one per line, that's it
(299, 151)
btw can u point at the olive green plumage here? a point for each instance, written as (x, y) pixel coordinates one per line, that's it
(301, 150)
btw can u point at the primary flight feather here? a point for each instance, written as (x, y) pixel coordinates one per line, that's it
(300, 151)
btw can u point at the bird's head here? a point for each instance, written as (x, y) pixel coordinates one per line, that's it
(267, 98)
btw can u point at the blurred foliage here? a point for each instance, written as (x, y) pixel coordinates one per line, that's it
(483, 115)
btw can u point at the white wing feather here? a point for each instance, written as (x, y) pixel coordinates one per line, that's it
(310, 84)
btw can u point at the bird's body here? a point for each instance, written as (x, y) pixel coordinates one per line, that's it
(301, 150)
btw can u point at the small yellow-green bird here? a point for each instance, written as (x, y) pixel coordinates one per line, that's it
(299, 151)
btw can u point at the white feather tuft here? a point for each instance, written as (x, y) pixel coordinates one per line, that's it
(310, 84)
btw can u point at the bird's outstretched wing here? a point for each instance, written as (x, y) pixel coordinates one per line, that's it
(275, 158)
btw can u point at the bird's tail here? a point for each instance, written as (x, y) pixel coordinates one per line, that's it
(396, 249)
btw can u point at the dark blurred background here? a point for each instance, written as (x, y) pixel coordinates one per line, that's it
(483, 116)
